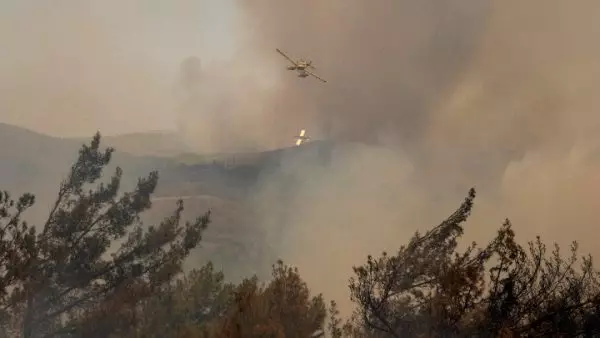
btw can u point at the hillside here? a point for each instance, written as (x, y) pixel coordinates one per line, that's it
(154, 143)
(32, 162)
(36, 162)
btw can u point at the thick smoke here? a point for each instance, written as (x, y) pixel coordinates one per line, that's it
(221, 108)
(388, 62)
(443, 96)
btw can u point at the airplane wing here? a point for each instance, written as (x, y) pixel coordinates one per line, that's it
(285, 56)
(313, 74)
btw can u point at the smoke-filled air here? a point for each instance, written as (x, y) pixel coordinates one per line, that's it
(423, 100)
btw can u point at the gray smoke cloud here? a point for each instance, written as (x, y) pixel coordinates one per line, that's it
(441, 97)
(387, 63)
(427, 99)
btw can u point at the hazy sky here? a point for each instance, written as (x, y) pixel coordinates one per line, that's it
(71, 67)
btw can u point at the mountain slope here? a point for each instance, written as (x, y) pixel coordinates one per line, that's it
(155, 143)
(224, 183)
(32, 162)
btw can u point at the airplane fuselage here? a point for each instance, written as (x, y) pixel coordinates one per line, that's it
(301, 70)
(300, 65)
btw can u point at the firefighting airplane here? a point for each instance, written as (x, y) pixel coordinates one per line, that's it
(301, 66)
(302, 137)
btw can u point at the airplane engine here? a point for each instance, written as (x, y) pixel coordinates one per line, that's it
(302, 75)
(291, 67)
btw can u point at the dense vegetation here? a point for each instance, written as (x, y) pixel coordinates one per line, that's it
(94, 270)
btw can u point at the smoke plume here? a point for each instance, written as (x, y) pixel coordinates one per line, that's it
(442, 96)
(424, 100)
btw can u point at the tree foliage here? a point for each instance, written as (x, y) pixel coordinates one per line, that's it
(428, 289)
(202, 304)
(70, 264)
(283, 308)
(186, 307)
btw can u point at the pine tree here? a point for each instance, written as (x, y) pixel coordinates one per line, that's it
(92, 248)
(428, 289)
